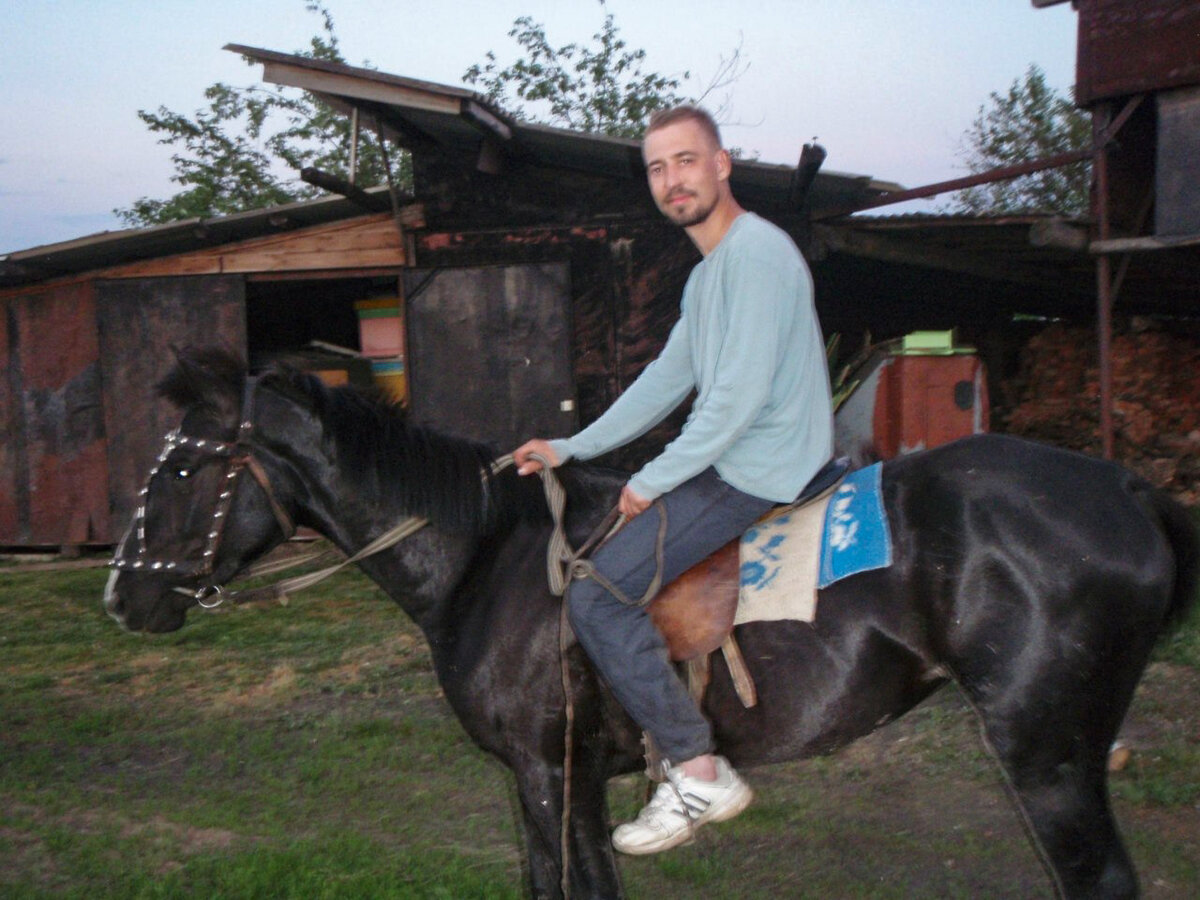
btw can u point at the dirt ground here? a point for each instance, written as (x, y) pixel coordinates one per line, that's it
(927, 776)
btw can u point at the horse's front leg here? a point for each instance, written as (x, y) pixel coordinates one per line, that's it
(591, 862)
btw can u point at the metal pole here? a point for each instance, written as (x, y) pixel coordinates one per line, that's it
(957, 184)
(353, 144)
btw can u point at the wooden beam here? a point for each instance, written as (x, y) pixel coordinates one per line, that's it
(485, 121)
(366, 242)
(1143, 244)
(1058, 233)
(812, 156)
(359, 88)
(918, 253)
(332, 183)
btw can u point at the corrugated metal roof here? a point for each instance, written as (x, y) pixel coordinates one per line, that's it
(1044, 253)
(111, 248)
(414, 111)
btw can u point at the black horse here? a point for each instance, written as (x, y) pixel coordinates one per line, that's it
(1037, 579)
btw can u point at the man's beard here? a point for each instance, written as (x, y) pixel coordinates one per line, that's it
(684, 218)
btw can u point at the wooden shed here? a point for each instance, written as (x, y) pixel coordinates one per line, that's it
(530, 270)
(532, 274)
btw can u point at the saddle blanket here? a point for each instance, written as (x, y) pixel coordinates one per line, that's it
(788, 557)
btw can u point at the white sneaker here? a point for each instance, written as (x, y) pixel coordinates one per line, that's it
(680, 806)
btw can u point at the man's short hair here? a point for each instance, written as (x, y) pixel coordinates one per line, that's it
(661, 118)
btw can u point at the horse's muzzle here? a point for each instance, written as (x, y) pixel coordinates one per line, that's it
(142, 604)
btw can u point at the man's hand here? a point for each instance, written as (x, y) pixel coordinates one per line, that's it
(523, 456)
(631, 504)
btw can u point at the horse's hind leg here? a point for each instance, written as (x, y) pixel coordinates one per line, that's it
(1065, 804)
(1054, 757)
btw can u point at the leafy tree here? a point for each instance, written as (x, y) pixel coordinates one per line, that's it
(1030, 122)
(245, 149)
(600, 88)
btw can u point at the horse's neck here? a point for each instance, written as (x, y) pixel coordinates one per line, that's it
(419, 573)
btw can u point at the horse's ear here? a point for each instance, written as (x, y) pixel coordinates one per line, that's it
(211, 377)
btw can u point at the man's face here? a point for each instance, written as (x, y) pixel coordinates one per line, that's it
(687, 171)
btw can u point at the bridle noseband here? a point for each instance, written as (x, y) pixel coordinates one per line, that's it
(240, 458)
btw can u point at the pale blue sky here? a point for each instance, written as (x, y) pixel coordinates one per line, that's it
(887, 86)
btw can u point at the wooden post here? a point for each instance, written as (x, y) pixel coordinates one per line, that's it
(1104, 285)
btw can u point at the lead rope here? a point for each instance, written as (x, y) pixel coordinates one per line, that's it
(564, 565)
(558, 557)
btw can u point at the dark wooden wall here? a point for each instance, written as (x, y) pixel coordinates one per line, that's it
(625, 284)
(489, 351)
(139, 320)
(1130, 47)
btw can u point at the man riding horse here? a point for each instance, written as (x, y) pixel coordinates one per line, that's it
(749, 344)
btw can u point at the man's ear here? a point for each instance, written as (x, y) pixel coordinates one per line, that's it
(724, 165)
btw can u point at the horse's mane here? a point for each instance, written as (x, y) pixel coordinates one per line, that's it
(438, 477)
(205, 379)
(382, 455)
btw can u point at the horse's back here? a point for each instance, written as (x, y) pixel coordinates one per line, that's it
(1034, 563)
(996, 488)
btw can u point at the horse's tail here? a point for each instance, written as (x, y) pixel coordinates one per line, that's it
(1181, 533)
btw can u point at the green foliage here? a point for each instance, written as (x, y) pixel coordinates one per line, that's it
(1029, 122)
(245, 149)
(599, 88)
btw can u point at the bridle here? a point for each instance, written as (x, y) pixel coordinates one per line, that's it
(240, 458)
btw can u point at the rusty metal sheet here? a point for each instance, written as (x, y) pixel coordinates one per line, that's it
(489, 351)
(1130, 48)
(9, 470)
(139, 321)
(56, 439)
(1177, 164)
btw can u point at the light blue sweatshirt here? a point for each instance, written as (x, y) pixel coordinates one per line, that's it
(748, 341)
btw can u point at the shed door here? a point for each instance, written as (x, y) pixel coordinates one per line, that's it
(489, 352)
(139, 320)
(53, 448)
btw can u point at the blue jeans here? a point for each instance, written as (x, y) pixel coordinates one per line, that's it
(703, 515)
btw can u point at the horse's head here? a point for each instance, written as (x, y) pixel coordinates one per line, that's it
(213, 502)
(253, 454)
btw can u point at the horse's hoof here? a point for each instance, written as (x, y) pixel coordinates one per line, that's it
(1118, 756)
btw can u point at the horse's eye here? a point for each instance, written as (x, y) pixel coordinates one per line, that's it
(182, 473)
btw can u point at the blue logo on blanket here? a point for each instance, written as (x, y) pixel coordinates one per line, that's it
(855, 537)
(765, 544)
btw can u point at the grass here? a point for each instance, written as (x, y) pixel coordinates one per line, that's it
(306, 752)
